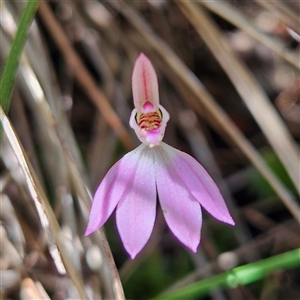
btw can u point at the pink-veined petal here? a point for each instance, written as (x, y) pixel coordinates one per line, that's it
(144, 84)
(181, 210)
(200, 184)
(137, 210)
(111, 189)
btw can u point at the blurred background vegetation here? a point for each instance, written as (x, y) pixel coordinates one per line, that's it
(229, 76)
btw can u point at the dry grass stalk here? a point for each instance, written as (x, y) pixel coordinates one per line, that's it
(83, 76)
(47, 217)
(249, 89)
(241, 21)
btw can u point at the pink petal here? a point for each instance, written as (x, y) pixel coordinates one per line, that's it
(111, 189)
(200, 184)
(181, 210)
(137, 210)
(144, 84)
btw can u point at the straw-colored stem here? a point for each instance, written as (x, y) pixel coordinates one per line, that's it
(283, 11)
(46, 214)
(83, 76)
(99, 236)
(241, 21)
(248, 88)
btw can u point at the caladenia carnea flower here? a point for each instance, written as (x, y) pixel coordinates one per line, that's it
(155, 168)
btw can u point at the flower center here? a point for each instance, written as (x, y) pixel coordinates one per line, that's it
(149, 121)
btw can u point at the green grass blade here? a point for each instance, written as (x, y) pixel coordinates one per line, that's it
(238, 276)
(11, 66)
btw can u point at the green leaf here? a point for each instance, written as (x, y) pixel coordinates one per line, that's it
(238, 276)
(12, 63)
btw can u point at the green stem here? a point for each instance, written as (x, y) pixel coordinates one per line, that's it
(238, 276)
(11, 66)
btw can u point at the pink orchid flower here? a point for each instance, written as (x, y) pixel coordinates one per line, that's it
(155, 168)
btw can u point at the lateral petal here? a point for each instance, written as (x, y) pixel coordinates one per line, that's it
(199, 183)
(181, 210)
(136, 211)
(144, 84)
(111, 189)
